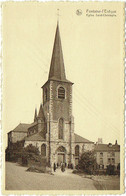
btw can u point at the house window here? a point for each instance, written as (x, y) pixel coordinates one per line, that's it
(112, 154)
(109, 161)
(61, 93)
(101, 154)
(113, 161)
(77, 150)
(60, 136)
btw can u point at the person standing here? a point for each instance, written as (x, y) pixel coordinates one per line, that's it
(63, 167)
(54, 167)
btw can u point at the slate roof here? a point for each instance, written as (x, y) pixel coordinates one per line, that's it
(22, 127)
(79, 139)
(57, 69)
(35, 137)
(32, 124)
(106, 147)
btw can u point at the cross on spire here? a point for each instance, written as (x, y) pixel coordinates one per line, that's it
(58, 15)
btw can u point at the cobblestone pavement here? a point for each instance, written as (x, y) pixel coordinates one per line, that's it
(18, 179)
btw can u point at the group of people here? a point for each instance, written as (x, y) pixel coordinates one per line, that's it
(62, 166)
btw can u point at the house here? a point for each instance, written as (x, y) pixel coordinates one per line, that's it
(107, 154)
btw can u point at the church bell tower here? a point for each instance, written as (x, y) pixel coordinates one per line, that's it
(57, 105)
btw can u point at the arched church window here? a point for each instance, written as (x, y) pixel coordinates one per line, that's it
(61, 93)
(43, 150)
(77, 150)
(60, 128)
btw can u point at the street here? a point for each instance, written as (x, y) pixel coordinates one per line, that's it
(17, 178)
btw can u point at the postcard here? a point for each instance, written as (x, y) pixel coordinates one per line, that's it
(63, 97)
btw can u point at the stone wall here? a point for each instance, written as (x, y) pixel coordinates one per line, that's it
(54, 131)
(16, 136)
(61, 107)
(83, 147)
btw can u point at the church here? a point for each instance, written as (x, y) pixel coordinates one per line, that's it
(53, 128)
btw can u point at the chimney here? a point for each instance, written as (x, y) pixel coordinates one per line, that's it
(100, 141)
(110, 145)
(116, 142)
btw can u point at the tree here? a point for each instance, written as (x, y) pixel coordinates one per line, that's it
(87, 162)
(30, 152)
(31, 149)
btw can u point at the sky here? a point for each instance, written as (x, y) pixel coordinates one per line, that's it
(93, 53)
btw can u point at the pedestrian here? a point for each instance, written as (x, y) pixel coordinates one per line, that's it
(63, 167)
(54, 167)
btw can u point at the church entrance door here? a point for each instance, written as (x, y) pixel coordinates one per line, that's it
(76, 161)
(61, 158)
(61, 152)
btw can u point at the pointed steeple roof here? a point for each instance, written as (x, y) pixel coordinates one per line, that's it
(41, 113)
(35, 116)
(57, 69)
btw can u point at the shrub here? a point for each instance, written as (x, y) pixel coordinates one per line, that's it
(31, 149)
(87, 162)
(110, 169)
(30, 153)
(17, 152)
(36, 169)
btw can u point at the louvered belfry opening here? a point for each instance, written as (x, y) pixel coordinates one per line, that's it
(61, 93)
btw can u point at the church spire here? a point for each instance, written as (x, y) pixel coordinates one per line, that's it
(57, 70)
(35, 116)
(41, 113)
